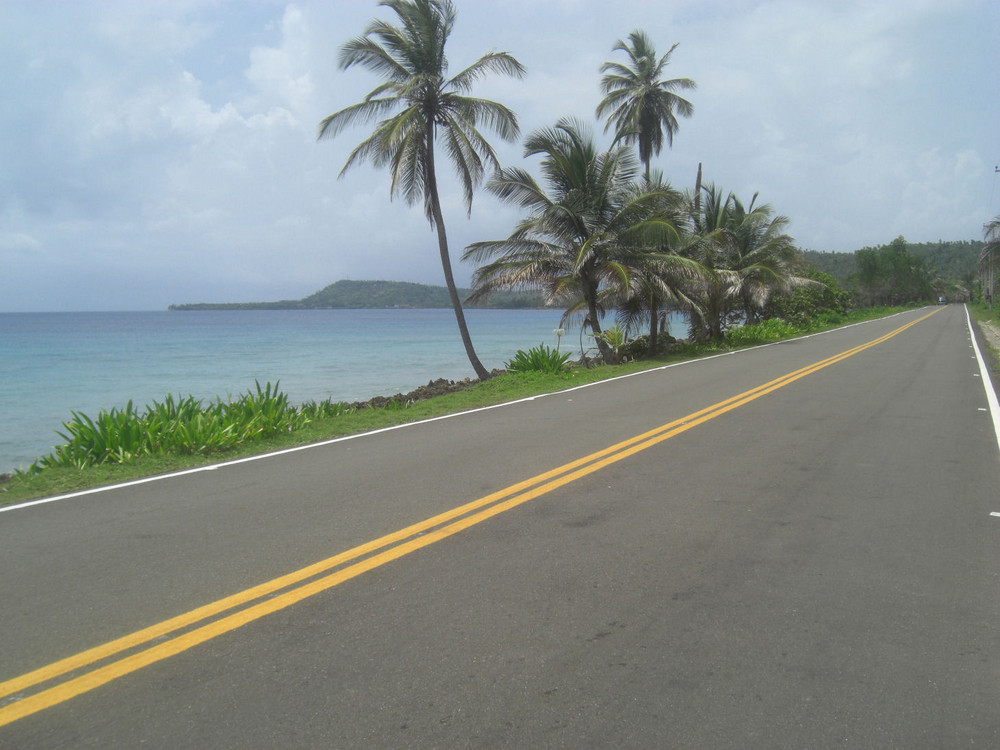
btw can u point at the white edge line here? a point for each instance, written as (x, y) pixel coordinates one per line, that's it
(296, 449)
(991, 394)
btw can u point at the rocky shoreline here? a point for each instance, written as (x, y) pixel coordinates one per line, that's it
(434, 388)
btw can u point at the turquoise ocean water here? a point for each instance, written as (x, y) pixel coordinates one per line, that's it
(54, 363)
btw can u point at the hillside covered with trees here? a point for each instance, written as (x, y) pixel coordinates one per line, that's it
(903, 271)
(375, 294)
(952, 261)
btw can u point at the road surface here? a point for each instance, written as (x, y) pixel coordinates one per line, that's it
(790, 546)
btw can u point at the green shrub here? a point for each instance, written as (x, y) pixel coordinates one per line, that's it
(325, 409)
(760, 333)
(538, 359)
(185, 426)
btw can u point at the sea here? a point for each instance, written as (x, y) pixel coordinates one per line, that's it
(52, 364)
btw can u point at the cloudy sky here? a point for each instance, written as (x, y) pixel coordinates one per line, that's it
(164, 151)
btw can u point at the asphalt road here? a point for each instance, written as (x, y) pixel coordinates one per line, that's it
(812, 565)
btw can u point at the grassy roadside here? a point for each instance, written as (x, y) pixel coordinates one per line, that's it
(504, 388)
(991, 320)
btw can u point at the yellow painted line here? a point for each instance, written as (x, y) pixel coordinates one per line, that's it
(405, 541)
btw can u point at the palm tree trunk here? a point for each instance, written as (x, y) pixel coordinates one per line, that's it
(595, 327)
(449, 279)
(654, 319)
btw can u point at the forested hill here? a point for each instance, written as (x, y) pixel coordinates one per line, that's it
(374, 294)
(951, 261)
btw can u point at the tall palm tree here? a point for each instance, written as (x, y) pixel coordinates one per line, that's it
(640, 105)
(420, 103)
(569, 245)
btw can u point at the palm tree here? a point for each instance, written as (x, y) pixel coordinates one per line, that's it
(420, 103)
(661, 276)
(640, 105)
(750, 256)
(765, 257)
(570, 244)
(712, 244)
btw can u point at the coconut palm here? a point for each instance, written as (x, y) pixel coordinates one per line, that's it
(570, 244)
(765, 256)
(420, 103)
(711, 247)
(750, 256)
(641, 107)
(660, 273)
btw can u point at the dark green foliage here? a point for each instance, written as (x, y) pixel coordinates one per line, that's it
(891, 275)
(805, 303)
(759, 333)
(950, 260)
(953, 262)
(538, 359)
(839, 265)
(638, 348)
(361, 294)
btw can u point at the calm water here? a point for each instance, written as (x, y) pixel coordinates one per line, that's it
(52, 363)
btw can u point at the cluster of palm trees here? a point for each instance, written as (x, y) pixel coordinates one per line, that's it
(599, 237)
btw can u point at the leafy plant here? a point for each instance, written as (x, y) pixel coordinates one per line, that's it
(325, 409)
(615, 337)
(538, 359)
(760, 333)
(174, 426)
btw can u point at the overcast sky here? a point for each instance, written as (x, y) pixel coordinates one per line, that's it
(156, 152)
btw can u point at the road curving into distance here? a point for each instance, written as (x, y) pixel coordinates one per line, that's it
(785, 546)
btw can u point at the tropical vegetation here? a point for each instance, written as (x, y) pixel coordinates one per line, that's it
(891, 275)
(420, 104)
(588, 232)
(184, 426)
(538, 359)
(603, 233)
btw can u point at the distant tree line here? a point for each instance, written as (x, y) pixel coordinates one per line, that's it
(347, 293)
(902, 272)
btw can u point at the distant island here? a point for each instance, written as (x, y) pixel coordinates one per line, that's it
(376, 294)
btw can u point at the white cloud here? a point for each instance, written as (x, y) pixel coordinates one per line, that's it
(19, 242)
(170, 146)
(281, 75)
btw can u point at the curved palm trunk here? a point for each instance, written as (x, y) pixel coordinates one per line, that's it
(595, 326)
(481, 372)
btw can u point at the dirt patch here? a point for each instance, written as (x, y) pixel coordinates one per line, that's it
(991, 332)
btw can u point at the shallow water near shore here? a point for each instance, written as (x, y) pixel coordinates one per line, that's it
(55, 363)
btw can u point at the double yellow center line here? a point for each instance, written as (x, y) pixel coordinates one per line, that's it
(98, 666)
